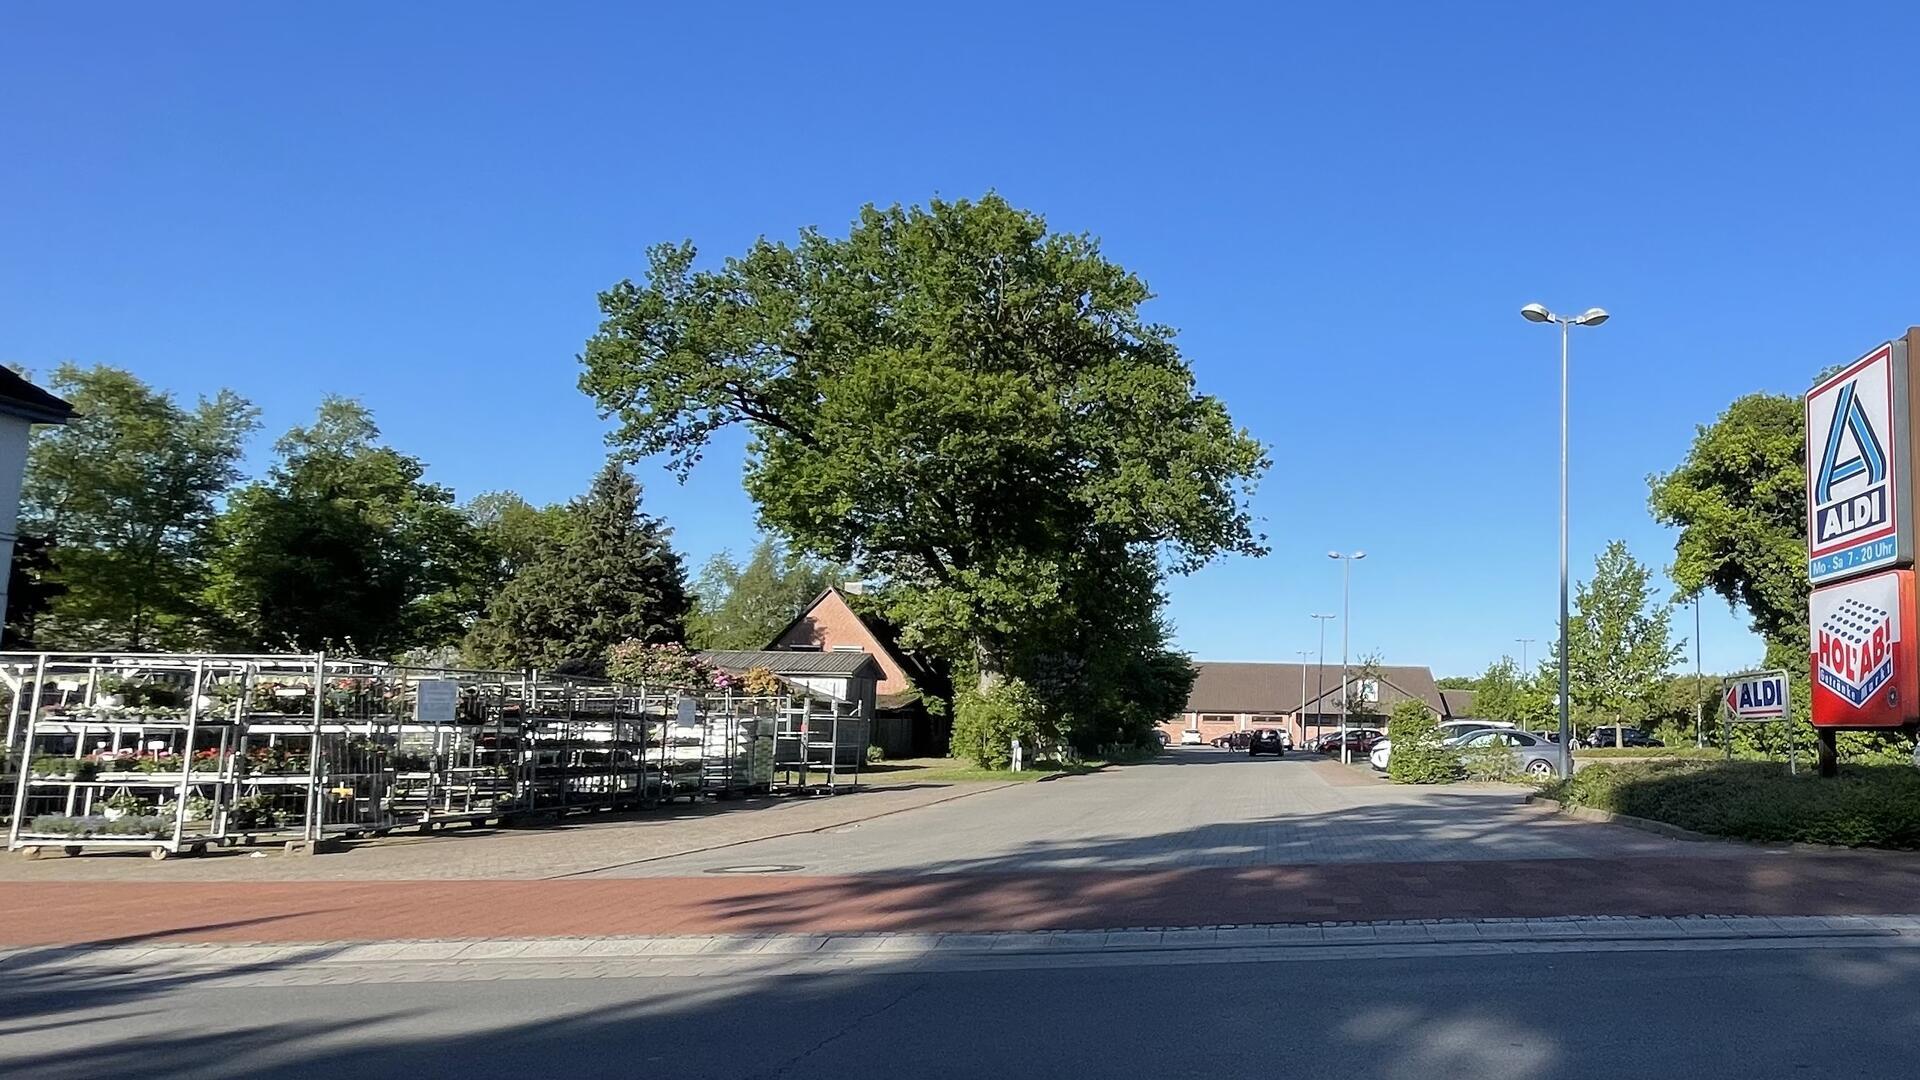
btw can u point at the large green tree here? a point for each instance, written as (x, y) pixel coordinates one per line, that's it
(1739, 500)
(346, 547)
(513, 531)
(127, 494)
(1619, 639)
(952, 399)
(610, 576)
(743, 607)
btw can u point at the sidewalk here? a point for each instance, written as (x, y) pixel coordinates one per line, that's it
(1763, 883)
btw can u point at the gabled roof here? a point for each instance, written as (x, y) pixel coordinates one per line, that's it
(1259, 687)
(849, 664)
(18, 397)
(1459, 704)
(885, 636)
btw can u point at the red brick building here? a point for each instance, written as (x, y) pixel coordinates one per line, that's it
(1303, 699)
(902, 723)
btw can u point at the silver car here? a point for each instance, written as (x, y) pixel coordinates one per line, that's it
(1533, 755)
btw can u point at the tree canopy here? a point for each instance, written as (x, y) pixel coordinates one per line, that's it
(951, 398)
(1619, 640)
(126, 494)
(345, 546)
(1740, 503)
(743, 607)
(609, 577)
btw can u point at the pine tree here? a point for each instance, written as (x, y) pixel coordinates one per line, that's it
(611, 577)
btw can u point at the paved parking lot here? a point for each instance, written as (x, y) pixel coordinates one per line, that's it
(1199, 837)
(1196, 807)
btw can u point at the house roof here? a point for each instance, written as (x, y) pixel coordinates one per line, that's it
(885, 636)
(849, 664)
(21, 398)
(1256, 687)
(1459, 704)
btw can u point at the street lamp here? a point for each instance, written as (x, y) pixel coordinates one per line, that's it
(1346, 624)
(1320, 676)
(1590, 317)
(1524, 642)
(1300, 714)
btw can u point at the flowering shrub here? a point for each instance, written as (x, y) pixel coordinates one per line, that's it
(665, 667)
(761, 682)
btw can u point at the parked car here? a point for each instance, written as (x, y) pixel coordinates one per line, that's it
(1191, 737)
(1232, 740)
(1382, 752)
(1603, 737)
(1358, 741)
(1535, 756)
(1162, 736)
(1266, 741)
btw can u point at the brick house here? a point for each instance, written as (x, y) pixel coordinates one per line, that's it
(903, 725)
(1230, 697)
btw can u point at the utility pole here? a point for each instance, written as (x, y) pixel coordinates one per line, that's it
(1300, 714)
(1524, 642)
(1700, 705)
(1346, 628)
(1320, 676)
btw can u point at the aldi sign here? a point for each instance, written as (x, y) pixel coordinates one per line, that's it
(1757, 697)
(1859, 458)
(1864, 671)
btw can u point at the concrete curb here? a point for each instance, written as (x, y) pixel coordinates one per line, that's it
(1659, 828)
(1142, 942)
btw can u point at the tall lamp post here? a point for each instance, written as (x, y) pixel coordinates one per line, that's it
(1300, 714)
(1524, 642)
(1320, 674)
(1346, 625)
(1590, 317)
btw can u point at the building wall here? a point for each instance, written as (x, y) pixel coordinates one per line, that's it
(1211, 725)
(832, 623)
(13, 464)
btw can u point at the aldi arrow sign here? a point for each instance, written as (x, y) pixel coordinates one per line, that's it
(1757, 697)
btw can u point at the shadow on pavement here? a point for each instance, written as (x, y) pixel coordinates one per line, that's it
(1720, 1014)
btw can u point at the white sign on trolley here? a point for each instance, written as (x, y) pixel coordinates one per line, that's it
(1859, 507)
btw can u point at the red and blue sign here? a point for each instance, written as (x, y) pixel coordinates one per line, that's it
(1864, 666)
(1758, 697)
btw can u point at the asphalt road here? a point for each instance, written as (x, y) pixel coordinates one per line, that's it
(1741, 1015)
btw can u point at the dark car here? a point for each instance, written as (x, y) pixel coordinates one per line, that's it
(1266, 741)
(1358, 741)
(1600, 738)
(1233, 740)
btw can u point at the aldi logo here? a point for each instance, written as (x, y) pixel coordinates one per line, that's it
(1864, 672)
(1757, 697)
(1856, 446)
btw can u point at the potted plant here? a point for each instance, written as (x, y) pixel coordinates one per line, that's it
(121, 804)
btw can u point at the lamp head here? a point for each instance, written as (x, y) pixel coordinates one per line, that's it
(1536, 313)
(1593, 316)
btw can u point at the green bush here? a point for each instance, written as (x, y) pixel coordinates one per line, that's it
(1493, 762)
(1417, 757)
(985, 725)
(1865, 806)
(875, 755)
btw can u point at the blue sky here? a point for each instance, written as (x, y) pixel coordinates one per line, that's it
(1341, 207)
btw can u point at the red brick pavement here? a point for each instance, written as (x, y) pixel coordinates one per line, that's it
(1767, 883)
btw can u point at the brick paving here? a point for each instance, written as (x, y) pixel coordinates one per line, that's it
(1202, 839)
(1839, 883)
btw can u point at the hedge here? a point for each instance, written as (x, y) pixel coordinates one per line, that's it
(1865, 806)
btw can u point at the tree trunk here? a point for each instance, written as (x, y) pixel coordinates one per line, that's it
(990, 672)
